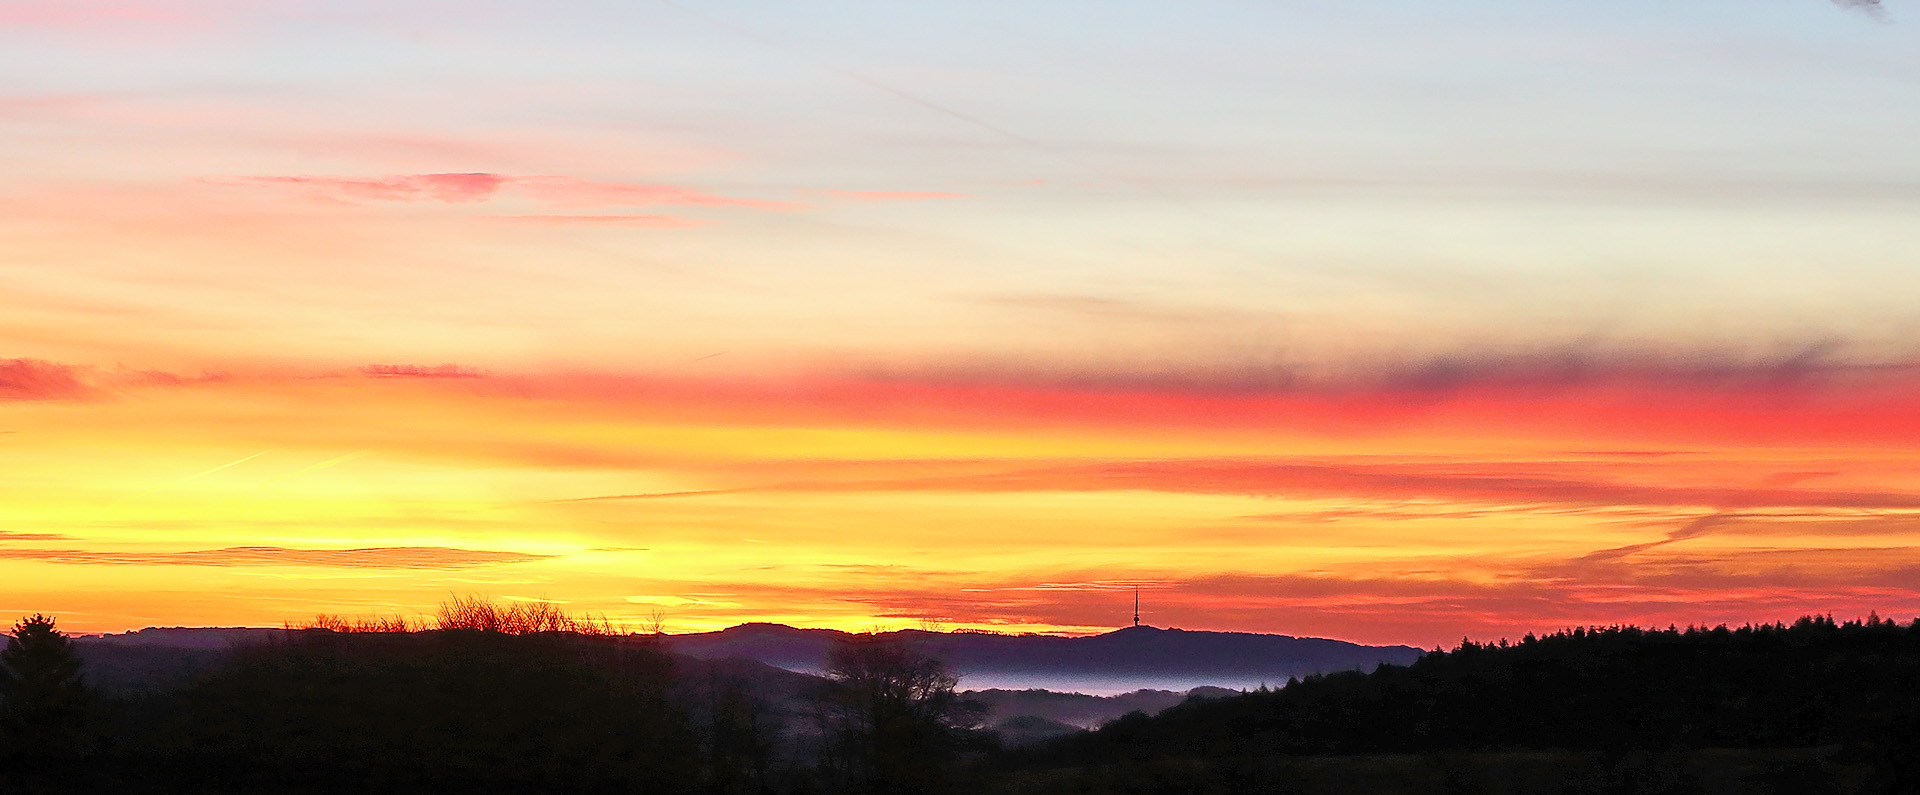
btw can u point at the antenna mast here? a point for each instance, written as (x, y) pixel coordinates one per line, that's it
(1136, 605)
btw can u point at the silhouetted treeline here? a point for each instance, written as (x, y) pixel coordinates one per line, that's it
(1616, 691)
(448, 710)
(523, 699)
(508, 699)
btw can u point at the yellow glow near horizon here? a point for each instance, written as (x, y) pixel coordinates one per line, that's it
(263, 501)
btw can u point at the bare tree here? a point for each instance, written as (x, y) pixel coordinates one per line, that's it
(888, 715)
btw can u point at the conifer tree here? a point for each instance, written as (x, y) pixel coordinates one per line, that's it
(43, 699)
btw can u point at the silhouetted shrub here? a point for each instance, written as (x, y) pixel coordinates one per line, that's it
(44, 702)
(445, 710)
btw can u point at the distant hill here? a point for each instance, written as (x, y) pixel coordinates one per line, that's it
(214, 638)
(157, 657)
(1116, 663)
(1027, 730)
(1073, 709)
(1079, 710)
(1122, 661)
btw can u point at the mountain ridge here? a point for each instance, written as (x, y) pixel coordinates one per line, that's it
(1124, 660)
(1120, 661)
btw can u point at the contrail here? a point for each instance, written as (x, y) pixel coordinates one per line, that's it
(975, 121)
(228, 465)
(1697, 526)
(335, 461)
(857, 77)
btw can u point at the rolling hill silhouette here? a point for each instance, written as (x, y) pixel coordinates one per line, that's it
(1125, 660)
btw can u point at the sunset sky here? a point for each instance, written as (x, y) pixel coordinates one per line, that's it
(1391, 322)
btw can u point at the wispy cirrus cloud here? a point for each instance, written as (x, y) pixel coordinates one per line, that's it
(8, 535)
(1627, 408)
(1383, 604)
(1615, 416)
(1485, 484)
(85, 13)
(1802, 567)
(449, 188)
(1692, 528)
(420, 371)
(883, 195)
(1097, 307)
(365, 558)
(560, 192)
(1812, 364)
(36, 379)
(20, 106)
(646, 221)
(575, 192)
(478, 187)
(32, 379)
(1698, 590)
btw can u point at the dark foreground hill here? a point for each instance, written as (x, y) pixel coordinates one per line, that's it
(158, 659)
(1814, 706)
(162, 657)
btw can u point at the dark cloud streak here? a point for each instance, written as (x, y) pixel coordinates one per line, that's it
(1277, 478)
(1872, 8)
(366, 558)
(6, 535)
(1809, 365)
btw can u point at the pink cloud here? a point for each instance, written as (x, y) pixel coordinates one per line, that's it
(648, 221)
(574, 192)
(552, 191)
(1634, 413)
(1488, 484)
(419, 371)
(32, 379)
(83, 13)
(886, 195)
(34, 104)
(450, 188)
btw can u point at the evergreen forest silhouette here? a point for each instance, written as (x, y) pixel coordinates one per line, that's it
(525, 698)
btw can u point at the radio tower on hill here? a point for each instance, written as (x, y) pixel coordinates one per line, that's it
(1136, 605)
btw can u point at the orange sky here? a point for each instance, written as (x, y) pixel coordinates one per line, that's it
(1396, 322)
(1376, 512)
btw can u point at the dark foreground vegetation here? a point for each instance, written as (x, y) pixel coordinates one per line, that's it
(485, 700)
(1815, 706)
(526, 699)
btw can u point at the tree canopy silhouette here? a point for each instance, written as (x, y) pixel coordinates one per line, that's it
(1609, 690)
(45, 698)
(889, 716)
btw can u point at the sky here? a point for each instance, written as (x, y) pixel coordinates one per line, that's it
(1396, 322)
